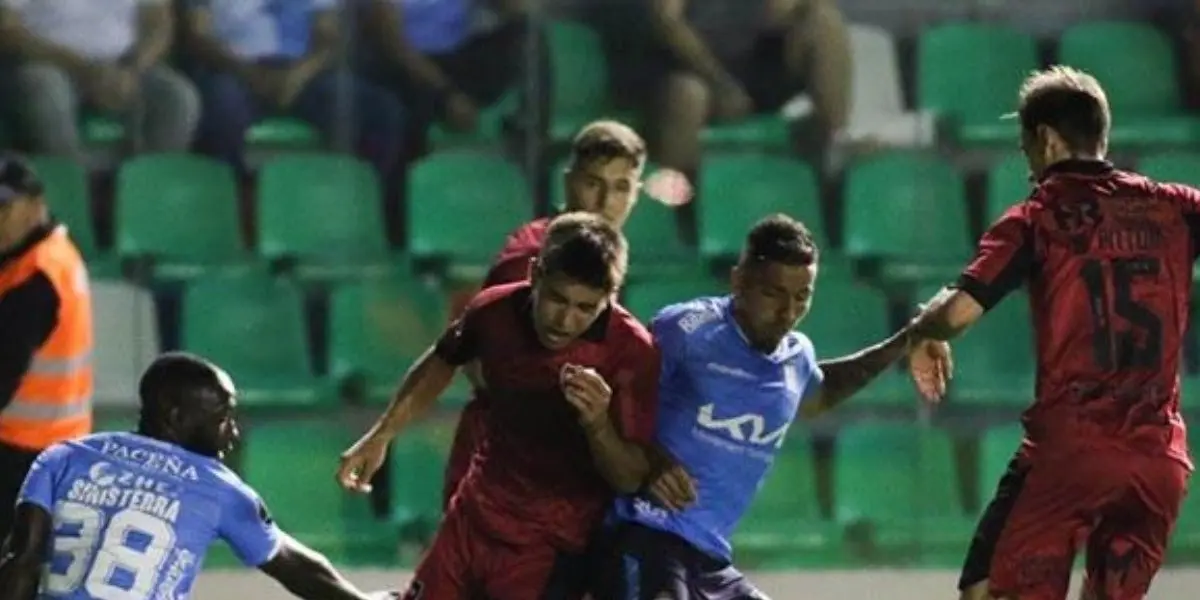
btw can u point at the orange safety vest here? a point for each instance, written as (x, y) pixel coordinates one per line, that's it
(54, 399)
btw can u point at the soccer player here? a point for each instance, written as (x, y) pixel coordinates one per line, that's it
(572, 383)
(1107, 256)
(603, 178)
(125, 516)
(735, 374)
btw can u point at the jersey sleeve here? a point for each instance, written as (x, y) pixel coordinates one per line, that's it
(635, 393)
(247, 526)
(1188, 199)
(459, 343)
(669, 337)
(1003, 260)
(38, 488)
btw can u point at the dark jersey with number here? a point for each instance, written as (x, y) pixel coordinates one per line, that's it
(533, 480)
(1108, 258)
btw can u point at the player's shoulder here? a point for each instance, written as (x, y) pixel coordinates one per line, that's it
(626, 327)
(798, 346)
(528, 236)
(688, 317)
(497, 295)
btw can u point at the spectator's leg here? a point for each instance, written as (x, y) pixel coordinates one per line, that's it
(376, 115)
(228, 111)
(681, 116)
(817, 46)
(169, 111)
(48, 106)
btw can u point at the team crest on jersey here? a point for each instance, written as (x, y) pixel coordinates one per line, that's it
(696, 318)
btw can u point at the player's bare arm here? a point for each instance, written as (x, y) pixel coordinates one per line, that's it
(24, 552)
(929, 362)
(309, 575)
(947, 315)
(418, 392)
(624, 464)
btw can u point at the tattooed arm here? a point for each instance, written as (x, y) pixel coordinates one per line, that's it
(848, 374)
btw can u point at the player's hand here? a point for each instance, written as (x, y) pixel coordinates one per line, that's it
(931, 366)
(673, 488)
(587, 391)
(361, 461)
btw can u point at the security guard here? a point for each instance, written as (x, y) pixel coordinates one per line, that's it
(45, 332)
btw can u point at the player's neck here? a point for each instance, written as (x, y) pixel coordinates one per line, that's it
(742, 323)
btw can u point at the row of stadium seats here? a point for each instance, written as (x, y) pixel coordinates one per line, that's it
(895, 486)
(325, 211)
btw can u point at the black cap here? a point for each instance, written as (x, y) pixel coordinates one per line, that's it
(17, 179)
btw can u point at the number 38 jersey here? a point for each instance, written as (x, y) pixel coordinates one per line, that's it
(134, 517)
(1107, 256)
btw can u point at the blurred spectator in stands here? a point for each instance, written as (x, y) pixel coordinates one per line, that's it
(722, 60)
(446, 59)
(101, 55)
(255, 58)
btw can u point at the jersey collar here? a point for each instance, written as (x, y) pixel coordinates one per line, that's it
(1078, 166)
(775, 354)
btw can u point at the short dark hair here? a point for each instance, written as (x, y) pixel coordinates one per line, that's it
(607, 140)
(179, 380)
(586, 248)
(1071, 102)
(18, 179)
(780, 239)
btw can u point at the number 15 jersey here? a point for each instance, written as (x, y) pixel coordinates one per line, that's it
(134, 517)
(1107, 255)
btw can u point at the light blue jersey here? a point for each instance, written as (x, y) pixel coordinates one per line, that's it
(134, 517)
(724, 409)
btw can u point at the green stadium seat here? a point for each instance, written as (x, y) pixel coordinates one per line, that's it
(737, 190)
(768, 131)
(996, 449)
(908, 210)
(578, 77)
(418, 464)
(970, 74)
(325, 211)
(181, 211)
(645, 298)
(378, 328)
(900, 479)
(255, 327)
(785, 515)
(67, 193)
(994, 360)
(1140, 80)
(1176, 167)
(462, 205)
(290, 463)
(846, 317)
(283, 132)
(1007, 184)
(101, 130)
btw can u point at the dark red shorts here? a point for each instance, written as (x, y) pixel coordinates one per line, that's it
(1121, 508)
(471, 423)
(464, 562)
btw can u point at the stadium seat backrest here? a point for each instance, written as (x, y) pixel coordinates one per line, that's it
(846, 316)
(877, 85)
(999, 347)
(1176, 167)
(789, 492)
(378, 327)
(578, 69)
(286, 461)
(1007, 184)
(736, 190)
(178, 207)
(894, 472)
(462, 205)
(253, 326)
(1133, 61)
(127, 341)
(67, 193)
(320, 207)
(906, 206)
(996, 450)
(645, 298)
(972, 71)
